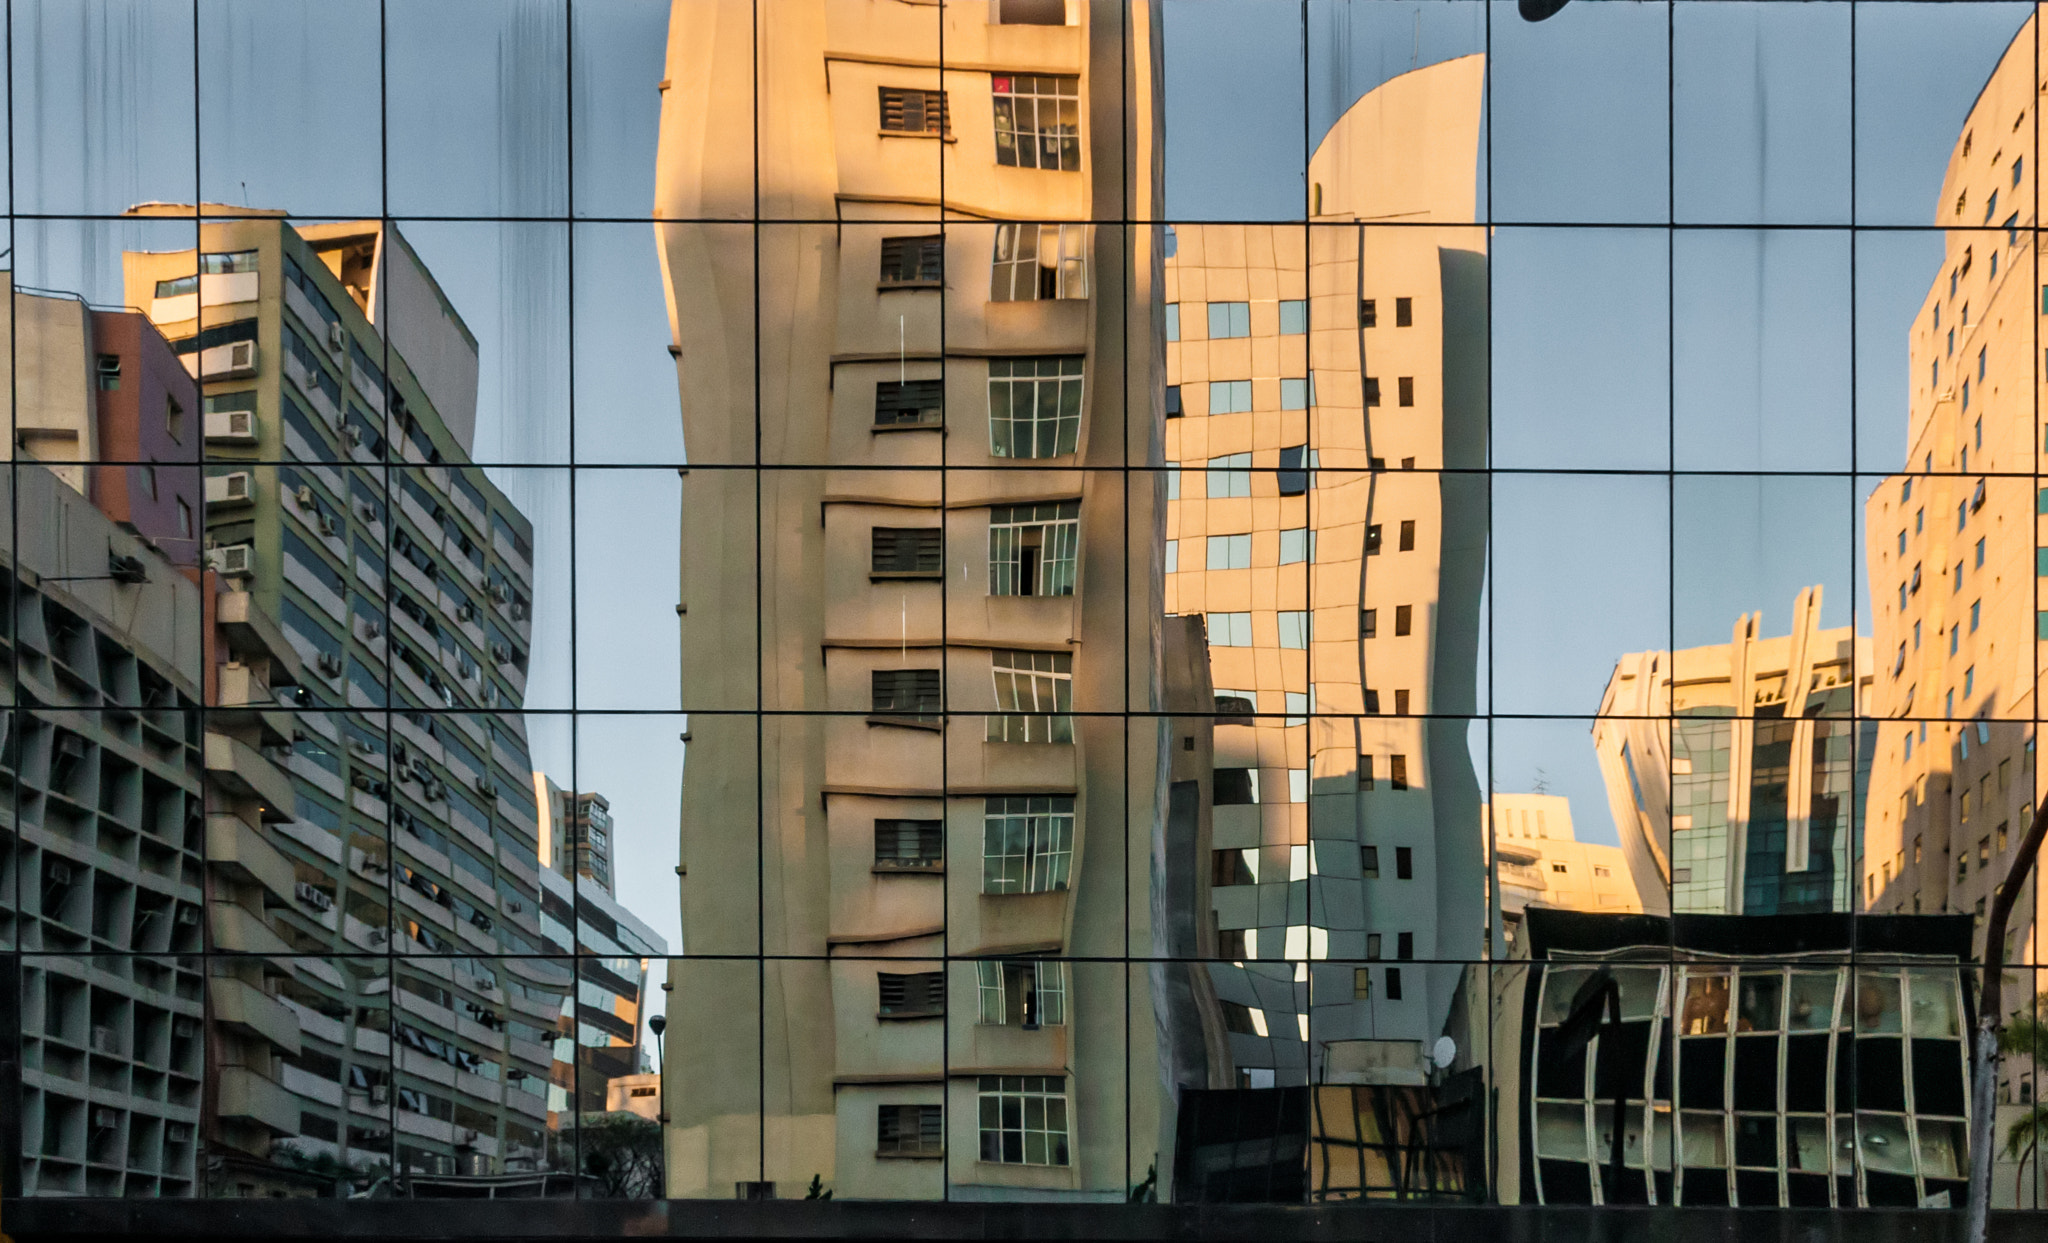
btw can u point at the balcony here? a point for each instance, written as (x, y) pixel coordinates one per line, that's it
(236, 930)
(242, 770)
(251, 1010)
(237, 849)
(246, 1094)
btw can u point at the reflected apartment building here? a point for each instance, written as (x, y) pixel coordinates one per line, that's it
(338, 394)
(138, 778)
(1737, 772)
(1951, 544)
(1321, 380)
(953, 805)
(1538, 861)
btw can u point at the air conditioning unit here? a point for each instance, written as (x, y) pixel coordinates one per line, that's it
(242, 356)
(178, 1132)
(312, 896)
(337, 340)
(188, 916)
(521, 611)
(304, 495)
(377, 936)
(359, 747)
(372, 629)
(328, 523)
(60, 872)
(105, 1118)
(465, 1136)
(379, 1092)
(501, 653)
(490, 694)
(231, 427)
(435, 791)
(105, 1041)
(360, 780)
(465, 611)
(330, 664)
(184, 1026)
(352, 435)
(486, 787)
(234, 560)
(501, 593)
(514, 906)
(234, 488)
(366, 511)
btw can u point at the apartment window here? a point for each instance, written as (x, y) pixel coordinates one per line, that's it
(1407, 387)
(149, 483)
(909, 403)
(1294, 394)
(2018, 162)
(1235, 787)
(909, 843)
(1172, 556)
(1296, 544)
(1229, 319)
(1031, 12)
(1962, 514)
(1368, 623)
(1403, 617)
(1372, 391)
(1372, 540)
(918, 995)
(1230, 475)
(1980, 554)
(1173, 321)
(914, 111)
(1365, 783)
(1173, 407)
(911, 693)
(1372, 945)
(1034, 695)
(1397, 772)
(1230, 396)
(1032, 548)
(1230, 552)
(1023, 1119)
(1038, 121)
(1034, 406)
(2002, 828)
(1408, 535)
(1044, 262)
(184, 518)
(1232, 867)
(107, 370)
(1404, 946)
(1293, 628)
(1959, 578)
(174, 418)
(1361, 983)
(913, 260)
(910, 1130)
(1400, 703)
(1369, 316)
(1295, 462)
(1029, 993)
(1027, 843)
(1404, 865)
(1372, 702)
(907, 551)
(1230, 629)
(1293, 317)
(1394, 982)
(1976, 608)
(1404, 312)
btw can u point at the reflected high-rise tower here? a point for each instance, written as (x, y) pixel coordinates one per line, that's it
(1330, 382)
(1951, 542)
(919, 590)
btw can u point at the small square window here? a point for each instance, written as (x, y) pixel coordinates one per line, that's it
(1404, 312)
(1368, 312)
(1407, 397)
(1229, 319)
(1293, 318)
(1404, 865)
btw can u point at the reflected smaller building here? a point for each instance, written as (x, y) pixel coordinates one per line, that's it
(1734, 771)
(1539, 861)
(1765, 1064)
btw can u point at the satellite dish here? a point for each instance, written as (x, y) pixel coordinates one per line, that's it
(1444, 1052)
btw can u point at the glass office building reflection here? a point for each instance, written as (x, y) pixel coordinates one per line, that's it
(1015, 606)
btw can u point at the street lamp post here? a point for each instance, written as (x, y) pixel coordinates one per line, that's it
(658, 1024)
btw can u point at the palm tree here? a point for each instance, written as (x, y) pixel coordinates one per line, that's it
(2026, 1033)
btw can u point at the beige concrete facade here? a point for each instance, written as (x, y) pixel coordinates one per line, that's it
(1732, 770)
(863, 547)
(1541, 862)
(1327, 376)
(1951, 542)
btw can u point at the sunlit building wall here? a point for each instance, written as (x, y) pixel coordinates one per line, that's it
(338, 401)
(1539, 861)
(1951, 543)
(1323, 378)
(1736, 772)
(961, 642)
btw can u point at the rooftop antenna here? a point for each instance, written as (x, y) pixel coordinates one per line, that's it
(1542, 783)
